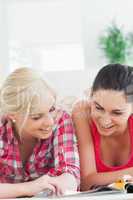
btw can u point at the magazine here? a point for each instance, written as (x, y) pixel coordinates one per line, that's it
(123, 185)
(100, 190)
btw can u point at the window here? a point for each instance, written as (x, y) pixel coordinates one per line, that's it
(49, 39)
(57, 57)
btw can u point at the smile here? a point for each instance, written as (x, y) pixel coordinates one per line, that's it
(107, 127)
(46, 130)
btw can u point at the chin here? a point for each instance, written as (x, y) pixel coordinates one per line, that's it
(107, 133)
(45, 136)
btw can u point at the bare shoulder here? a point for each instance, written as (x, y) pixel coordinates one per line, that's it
(81, 108)
(81, 104)
(81, 118)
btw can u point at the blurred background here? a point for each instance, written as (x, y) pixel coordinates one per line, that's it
(62, 38)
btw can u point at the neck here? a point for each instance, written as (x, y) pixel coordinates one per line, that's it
(119, 136)
(26, 138)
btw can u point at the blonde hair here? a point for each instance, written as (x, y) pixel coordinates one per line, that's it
(22, 92)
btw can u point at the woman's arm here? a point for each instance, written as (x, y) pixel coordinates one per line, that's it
(31, 188)
(104, 178)
(65, 153)
(12, 190)
(89, 175)
(80, 116)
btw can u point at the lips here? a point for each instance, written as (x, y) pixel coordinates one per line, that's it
(47, 130)
(107, 127)
(45, 133)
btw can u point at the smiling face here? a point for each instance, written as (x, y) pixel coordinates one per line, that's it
(37, 125)
(110, 111)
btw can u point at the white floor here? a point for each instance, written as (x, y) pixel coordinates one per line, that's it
(100, 197)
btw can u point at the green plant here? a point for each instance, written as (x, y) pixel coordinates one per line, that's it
(114, 44)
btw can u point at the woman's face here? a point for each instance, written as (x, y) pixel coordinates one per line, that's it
(37, 125)
(110, 111)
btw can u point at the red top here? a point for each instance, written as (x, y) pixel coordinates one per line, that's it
(100, 165)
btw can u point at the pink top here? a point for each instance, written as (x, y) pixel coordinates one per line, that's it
(53, 156)
(100, 165)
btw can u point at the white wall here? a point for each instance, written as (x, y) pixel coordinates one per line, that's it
(72, 83)
(36, 23)
(44, 21)
(3, 39)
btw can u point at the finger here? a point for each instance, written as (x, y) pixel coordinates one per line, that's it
(50, 189)
(60, 190)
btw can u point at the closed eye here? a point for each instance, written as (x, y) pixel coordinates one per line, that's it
(37, 117)
(117, 113)
(98, 108)
(52, 109)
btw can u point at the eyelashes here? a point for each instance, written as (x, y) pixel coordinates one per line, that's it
(98, 108)
(113, 112)
(52, 109)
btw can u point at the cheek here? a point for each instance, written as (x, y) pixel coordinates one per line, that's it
(33, 125)
(94, 117)
(94, 113)
(120, 121)
(36, 125)
(124, 120)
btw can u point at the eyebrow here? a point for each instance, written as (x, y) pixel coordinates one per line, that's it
(115, 110)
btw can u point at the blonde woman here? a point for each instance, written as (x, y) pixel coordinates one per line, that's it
(38, 149)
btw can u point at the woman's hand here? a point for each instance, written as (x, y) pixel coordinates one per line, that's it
(60, 186)
(57, 186)
(81, 109)
(63, 183)
(39, 185)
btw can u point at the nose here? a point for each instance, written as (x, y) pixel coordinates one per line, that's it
(106, 119)
(48, 121)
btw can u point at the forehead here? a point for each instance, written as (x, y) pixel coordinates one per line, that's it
(42, 105)
(110, 98)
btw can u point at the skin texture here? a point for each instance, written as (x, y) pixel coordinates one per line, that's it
(110, 111)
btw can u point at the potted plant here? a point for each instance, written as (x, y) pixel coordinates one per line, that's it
(115, 45)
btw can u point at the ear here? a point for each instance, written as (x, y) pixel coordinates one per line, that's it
(12, 117)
